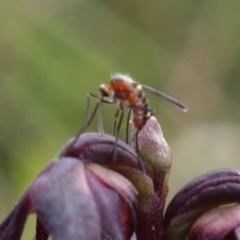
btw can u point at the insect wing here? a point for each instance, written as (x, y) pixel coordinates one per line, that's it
(166, 97)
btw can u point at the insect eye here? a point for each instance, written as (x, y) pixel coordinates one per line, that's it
(104, 91)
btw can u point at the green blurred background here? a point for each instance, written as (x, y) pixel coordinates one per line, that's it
(53, 52)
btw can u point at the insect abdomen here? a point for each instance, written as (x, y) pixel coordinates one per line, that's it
(140, 111)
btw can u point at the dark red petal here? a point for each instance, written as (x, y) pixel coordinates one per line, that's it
(64, 203)
(41, 233)
(117, 219)
(115, 181)
(234, 235)
(205, 192)
(98, 148)
(12, 227)
(216, 224)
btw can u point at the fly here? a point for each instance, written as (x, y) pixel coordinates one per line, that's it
(122, 90)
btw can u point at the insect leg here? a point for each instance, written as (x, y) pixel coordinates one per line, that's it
(128, 121)
(88, 118)
(116, 126)
(115, 122)
(116, 129)
(100, 121)
(100, 101)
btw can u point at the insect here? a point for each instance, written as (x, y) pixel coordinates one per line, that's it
(129, 93)
(124, 91)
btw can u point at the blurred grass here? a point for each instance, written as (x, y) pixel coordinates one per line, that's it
(53, 53)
